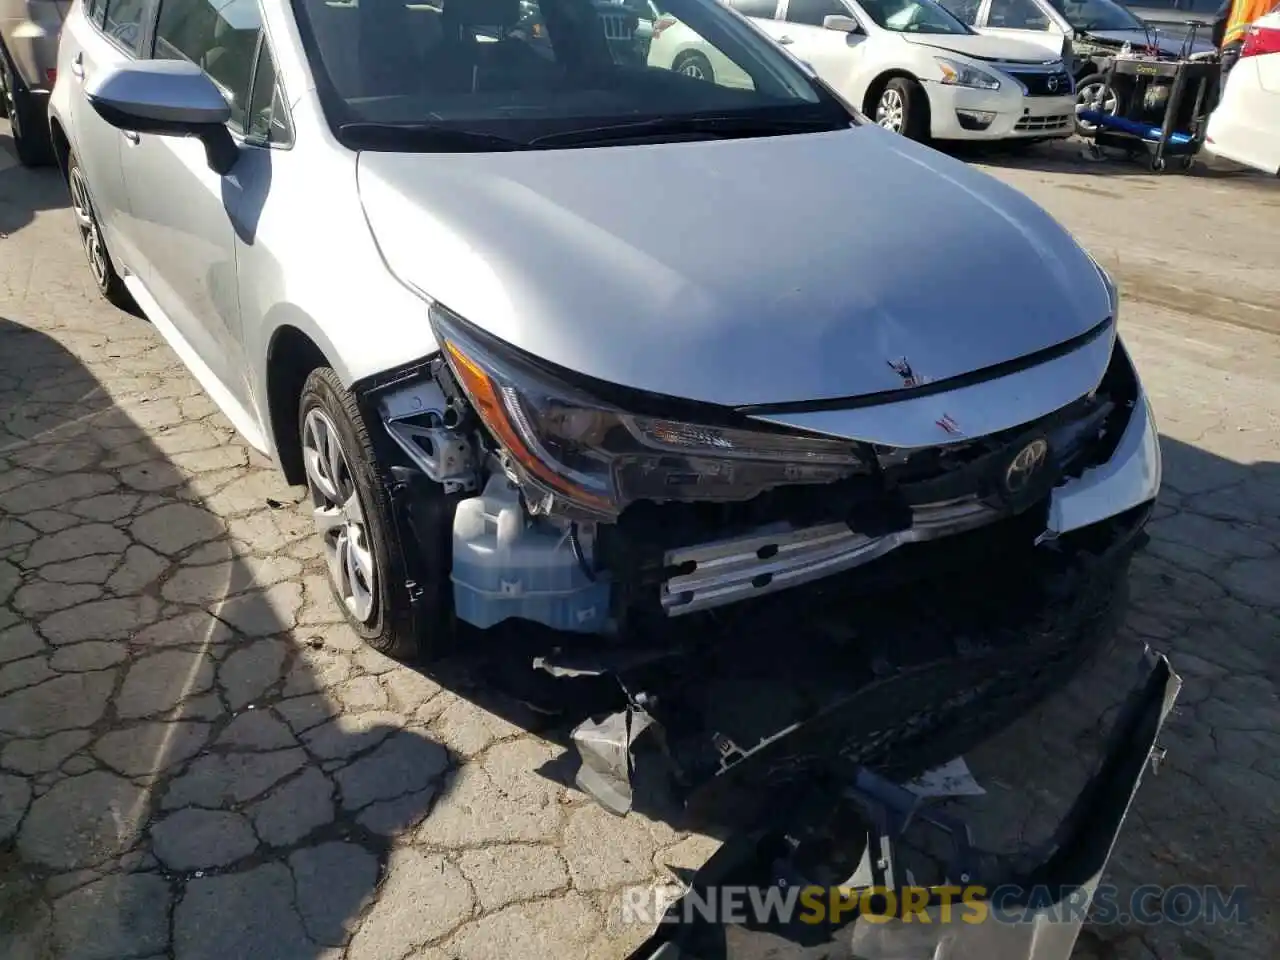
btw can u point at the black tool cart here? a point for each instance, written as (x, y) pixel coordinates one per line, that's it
(1180, 135)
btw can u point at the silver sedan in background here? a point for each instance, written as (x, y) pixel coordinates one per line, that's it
(28, 67)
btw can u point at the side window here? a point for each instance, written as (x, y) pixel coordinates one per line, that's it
(813, 12)
(1016, 15)
(94, 10)
(268, 120)
(763, 9)
(123, 23)
(966, 11)
(219, 36)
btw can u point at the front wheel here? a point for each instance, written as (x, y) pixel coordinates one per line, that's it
(357, 526)
(695, 65)
(903, 108)
(28, 127)
(101, 265)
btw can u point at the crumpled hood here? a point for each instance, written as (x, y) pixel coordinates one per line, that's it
(984, 47)
(748, 271)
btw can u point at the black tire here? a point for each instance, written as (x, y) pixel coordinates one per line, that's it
(28, 124)
(913, 122)
(390, 626)
(693, 64)
(101, 266)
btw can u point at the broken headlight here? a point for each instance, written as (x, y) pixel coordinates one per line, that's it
(578, 448)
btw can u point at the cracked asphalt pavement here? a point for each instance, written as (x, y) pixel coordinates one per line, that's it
(198, 759)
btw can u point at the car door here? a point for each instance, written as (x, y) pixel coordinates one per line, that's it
(831, 53)
(104, 34)
(184, 214)
(1025, 20)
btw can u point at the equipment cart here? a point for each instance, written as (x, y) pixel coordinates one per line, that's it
(1181, 134)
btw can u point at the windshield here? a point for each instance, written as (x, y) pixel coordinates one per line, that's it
(501, 74)
(1097, 15)
(912, 16)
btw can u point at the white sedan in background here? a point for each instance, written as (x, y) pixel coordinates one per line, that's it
(909, 64)
(1245, 126)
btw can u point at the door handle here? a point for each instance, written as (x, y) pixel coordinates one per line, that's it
(131, 136)
(77, 66)
(785, 40)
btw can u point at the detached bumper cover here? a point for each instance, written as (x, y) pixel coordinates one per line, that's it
(1018, 928)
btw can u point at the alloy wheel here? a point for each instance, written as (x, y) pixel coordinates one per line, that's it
(87, 223)
(338, 515)
(891, 111)
(1087, 96)
(692, 68)
(10, 99)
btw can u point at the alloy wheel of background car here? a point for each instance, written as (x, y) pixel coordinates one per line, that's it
(32, 148)
(7, 107)
(900, 108)
(694, 64)
(1087, 93)
(891, 111)
(356, 524)
(95, 247)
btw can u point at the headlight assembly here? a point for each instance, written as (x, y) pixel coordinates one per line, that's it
(959, 74)
(599, 458)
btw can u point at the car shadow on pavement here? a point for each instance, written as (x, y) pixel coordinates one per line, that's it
(1071, 156)
(174, 779)
(18, 203)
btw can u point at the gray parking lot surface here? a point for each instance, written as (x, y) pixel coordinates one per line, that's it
(198, 759)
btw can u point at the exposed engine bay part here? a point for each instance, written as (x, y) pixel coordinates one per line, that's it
(688, 541)
(989, 642)
(792, 847)
(730, 570)
(430, 429)
(507, 563)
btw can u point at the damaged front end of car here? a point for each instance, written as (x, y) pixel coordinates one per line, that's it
(969, 542)
(898, 879)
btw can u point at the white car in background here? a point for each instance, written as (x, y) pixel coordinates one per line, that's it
(909, 64)
(1245, 126)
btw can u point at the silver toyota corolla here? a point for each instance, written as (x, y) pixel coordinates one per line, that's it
(555, 335)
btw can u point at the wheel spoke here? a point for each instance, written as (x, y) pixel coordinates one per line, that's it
(328, 520)
(334, 461)
(338, 515)
(362, 560)
(352, 511)
(337, 558)
(316, 462)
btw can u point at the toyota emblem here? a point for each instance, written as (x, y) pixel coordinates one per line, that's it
(1052, 83)
(1025, 465)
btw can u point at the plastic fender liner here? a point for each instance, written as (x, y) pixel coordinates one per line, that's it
(1028, 927)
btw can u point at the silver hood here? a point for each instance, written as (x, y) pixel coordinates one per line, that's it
(749, 271)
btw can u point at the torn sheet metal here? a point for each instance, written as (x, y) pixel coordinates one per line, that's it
(608, 758)
(1026, 926)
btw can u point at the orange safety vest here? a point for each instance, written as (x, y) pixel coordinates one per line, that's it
(1243, 13)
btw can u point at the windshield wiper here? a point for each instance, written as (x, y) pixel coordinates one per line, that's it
(718, 126)
(369, 135)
